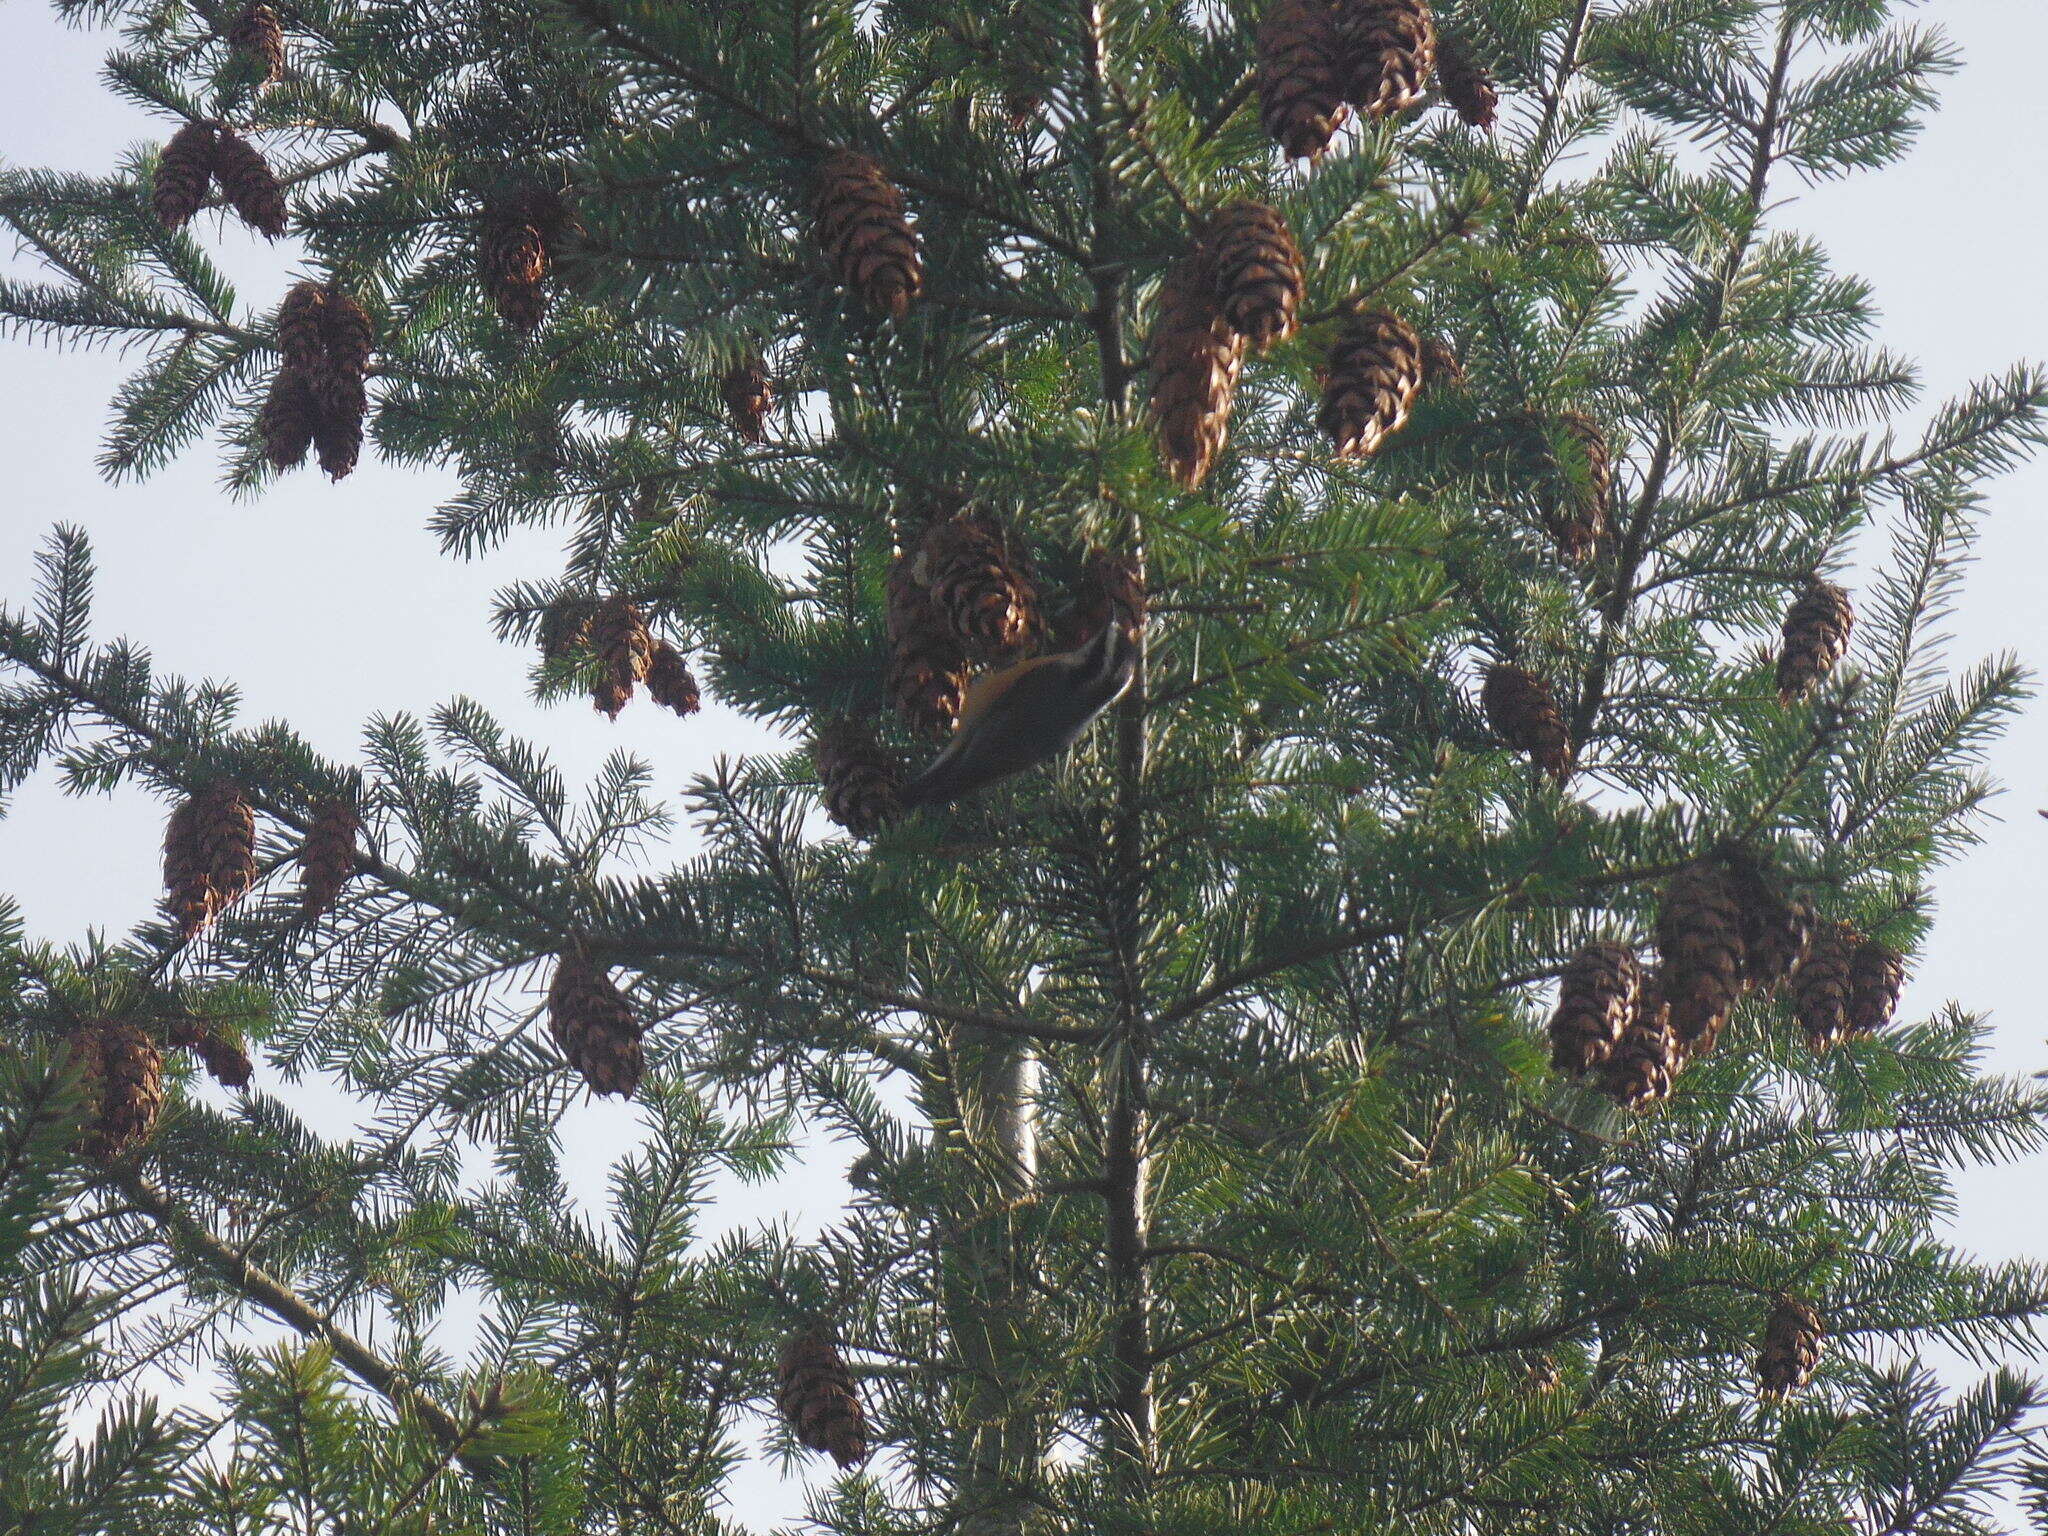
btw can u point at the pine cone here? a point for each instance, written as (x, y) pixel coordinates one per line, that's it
(338, 422)
(1108, 582)
(1816, 631)
(1523, 712)
(1442, 368)
(515, 254)
(209, 855)
(1791, 1348)
(1577, 509)
(1465, 84)
(818, 1399)
(861, 225)
(1375, 373)
(301, 328)
(258, 36)
(593, 1023)
(1877, 976)
(225, 1060)
(1639, 1071)
(670, 683)
(1257, 269)
(1301, 76)
(1699, 935)
(327, 858)
(1823, 985)
(980, 581)
(927, 667)
(184, 171)
(624, 652)
(859, 778)
(749, 396)
(248, 183)
(1596, 1001)
(121, 1076)
(1776, 929)
(1194, 357)
(346, 333)
(287, 421)
(1389, 49)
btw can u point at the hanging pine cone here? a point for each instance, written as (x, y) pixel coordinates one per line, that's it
(1442, 368)
(1301, 76)
(1816, 631)
(859, 778)
(1639, 1071)
(301, 328)
(327, 858)
(1578, 507)
(248, 183)
(258, 36)
(593, 1023)
(1257, 269)
(1375, 373)
(927, 667)
(1699, 935)
(1524, 713)
(287, 421)
(1108, 583)
(618, 634)
(346, 334)
(1791, 1348)
(515, 253)
(1776, 928)
(1596, 1000)
(1465, 83)
(1389, 48)
(224, 1059)
(670, 682)
(862, 226)
(121, 1079)
(749, 396)
(1824, 983)
(981, 581)
(1193, 356)
(184, 172)
(338, 423)
(1877, 976)
(209, 855)
(818, 1399)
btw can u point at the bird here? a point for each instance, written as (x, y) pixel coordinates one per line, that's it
(1028, 714)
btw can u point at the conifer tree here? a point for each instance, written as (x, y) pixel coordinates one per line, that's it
(1207, 1167)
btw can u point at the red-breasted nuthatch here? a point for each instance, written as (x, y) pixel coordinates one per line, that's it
(1029, 714)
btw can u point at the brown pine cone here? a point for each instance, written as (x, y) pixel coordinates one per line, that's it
(1699, 935)
(818, 1399)
(859, 778)
(1824, 983)
(1108, 583)
(1465, 83)
(225, 1061)
(1524, 713)
(1596, 1002)
(670, 682)
(209, 855)
(1389, 49)
(1301, 76)
(184, 172)
(624, 649)
(301, 327)
(749, 396)
(338, 422)
(515, 253)
(1877, 976)
(862, 226)
(327, 858)
(1257, 269)
(927, 666)
(1578, 507)
(258, 36)
(346, 333)
(121, 1078)
(1644, 1063)
(1193, 356)
(594, 1025)
(1776, 928)
(287, 421)
(1791, 1348)
(1374, 375)
(248, 183)
(981, 581)
(1816, 630)
(1442, 368)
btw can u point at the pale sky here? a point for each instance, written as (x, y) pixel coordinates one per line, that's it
(328, 604)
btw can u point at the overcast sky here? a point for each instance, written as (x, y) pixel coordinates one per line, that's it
(328, 604)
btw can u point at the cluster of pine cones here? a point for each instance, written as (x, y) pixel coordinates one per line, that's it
(1320, 59)
(612, 637)
(118, 1064)
(210, 855)
(317, 398)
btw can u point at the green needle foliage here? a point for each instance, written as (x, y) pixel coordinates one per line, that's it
(1206, 1170)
